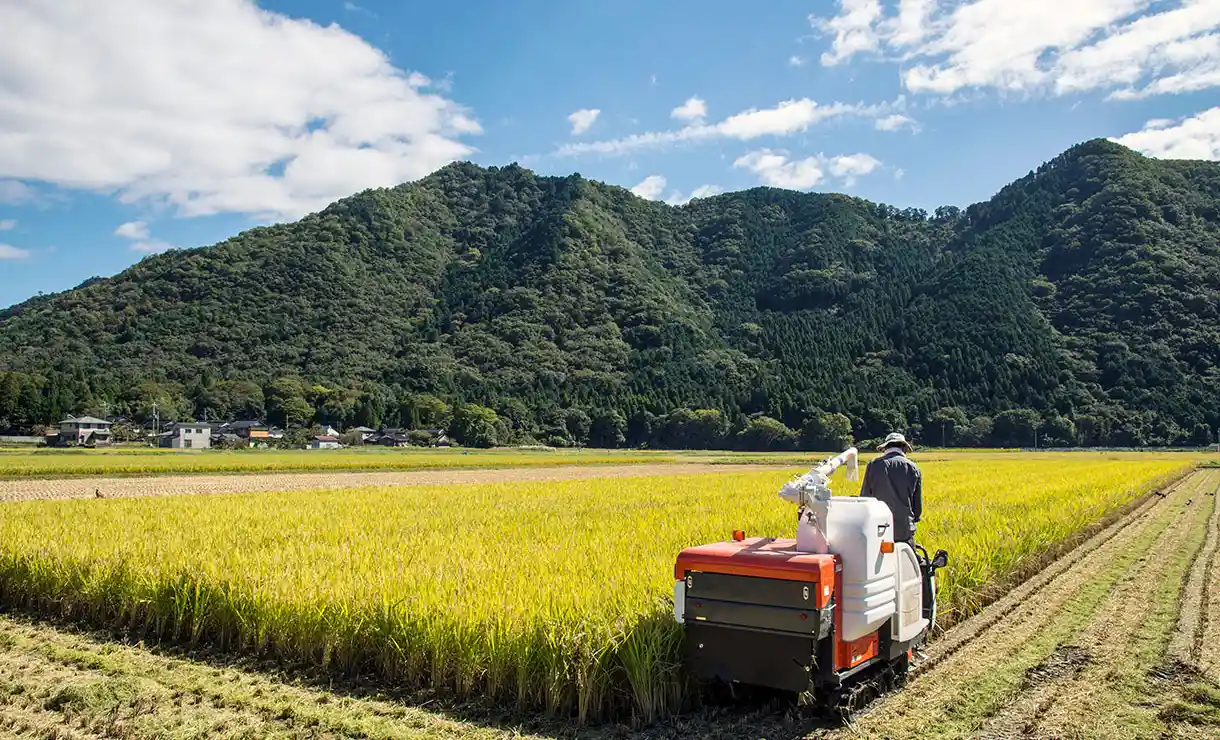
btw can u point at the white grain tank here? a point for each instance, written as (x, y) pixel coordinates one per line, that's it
(855, 529)
(852, 528)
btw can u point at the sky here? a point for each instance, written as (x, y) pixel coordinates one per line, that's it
(129, 127)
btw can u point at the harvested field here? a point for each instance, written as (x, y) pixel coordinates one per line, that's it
(1104, 644)
(170, 485)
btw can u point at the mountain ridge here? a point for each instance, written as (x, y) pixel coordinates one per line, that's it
(1075, 300)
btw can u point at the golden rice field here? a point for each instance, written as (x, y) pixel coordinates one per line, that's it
(552, 595)
(70, 463)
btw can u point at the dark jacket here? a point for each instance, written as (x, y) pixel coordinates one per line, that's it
(896, 481)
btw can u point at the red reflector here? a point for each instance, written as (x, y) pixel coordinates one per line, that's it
(739, 535)
(804, 616)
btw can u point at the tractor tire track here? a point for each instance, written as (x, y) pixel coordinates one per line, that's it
(1075, 671)
(60, 684)
(1000, 609)
(998, 672)
(1186, 645)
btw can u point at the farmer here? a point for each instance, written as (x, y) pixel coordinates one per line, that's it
(896, 481)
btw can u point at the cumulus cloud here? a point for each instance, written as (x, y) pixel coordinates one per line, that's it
(582, 119)
(694, 109)
(1195, 137)
(787, 117)
(796, 61)
(894, 122)
(8, 252)
(8, 224)
(676, 198)
(853, 30)
(211, 107)
(142, 240)
(133, 230)
(851, 167)
(651, 187)
(776, 169)
(1131, 48)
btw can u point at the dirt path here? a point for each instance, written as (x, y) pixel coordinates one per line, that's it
(168, 485)
(1109, 642)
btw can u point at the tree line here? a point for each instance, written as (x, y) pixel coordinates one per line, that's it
(30, 402)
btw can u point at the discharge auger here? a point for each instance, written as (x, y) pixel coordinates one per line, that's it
(834, 614)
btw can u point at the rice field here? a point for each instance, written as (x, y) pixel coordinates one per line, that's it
(541, 595)
(122, 462)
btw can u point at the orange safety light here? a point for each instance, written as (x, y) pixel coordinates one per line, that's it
(887, 547)
(739, 535)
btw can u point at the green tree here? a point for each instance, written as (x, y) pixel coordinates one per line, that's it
(608, 429)
(474, 426)
(944, 425)
(765, 434)
(826, 432)
(1015, 428)
(578, 425)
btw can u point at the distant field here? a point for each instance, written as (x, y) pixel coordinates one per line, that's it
(117, 462)
(541, 594)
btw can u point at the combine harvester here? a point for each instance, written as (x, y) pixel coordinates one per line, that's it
(833, 615)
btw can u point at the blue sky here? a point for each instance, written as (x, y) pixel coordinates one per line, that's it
(133, 126)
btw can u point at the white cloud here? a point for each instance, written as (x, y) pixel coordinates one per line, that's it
(582, 119)
(8, 224)
(676, 198)
(787, 117)
(1132, 48)
(852, 29)
(796, 61)
(132, 230)
(12, 253)
(142, 240)
(776, 169)
(15, 193)
(650, 188)
(211, 107)
(694, 109)
(151, 247)
(895, 122)
(911, 25)
(852, 167)
(1195, 137)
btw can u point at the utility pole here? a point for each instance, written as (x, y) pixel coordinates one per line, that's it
(156, 423)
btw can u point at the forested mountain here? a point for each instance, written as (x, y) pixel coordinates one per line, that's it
(1080, 301)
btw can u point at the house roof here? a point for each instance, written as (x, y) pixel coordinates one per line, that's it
(180, 424)
(362, 429)
(84, 420)
(326, 438)
(247, 425)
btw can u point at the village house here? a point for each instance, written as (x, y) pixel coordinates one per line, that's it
(190, 435)
(324, 442)
(86, 430)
